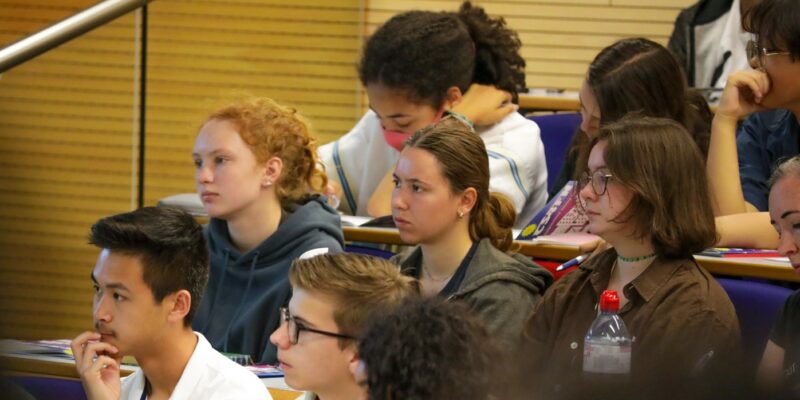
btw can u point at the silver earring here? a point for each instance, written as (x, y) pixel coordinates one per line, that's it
(268, 183)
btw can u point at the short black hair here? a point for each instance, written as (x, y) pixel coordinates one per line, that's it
(776, 23)
(169, 243)
(423, 53)
(428, 349)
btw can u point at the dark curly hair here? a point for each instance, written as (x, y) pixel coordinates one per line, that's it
(424, 53)
(428, 349)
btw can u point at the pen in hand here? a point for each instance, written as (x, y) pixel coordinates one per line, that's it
(572, 263)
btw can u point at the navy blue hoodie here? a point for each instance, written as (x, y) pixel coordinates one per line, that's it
(240, 307)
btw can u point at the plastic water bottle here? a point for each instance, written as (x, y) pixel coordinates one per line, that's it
(607, 346)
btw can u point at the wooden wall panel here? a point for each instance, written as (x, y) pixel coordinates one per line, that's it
(66, 120)
(559, 37)
(301, 53)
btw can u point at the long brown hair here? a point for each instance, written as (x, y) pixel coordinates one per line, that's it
(642, 76)
(270, 129)
(465, 164)
(656, 159)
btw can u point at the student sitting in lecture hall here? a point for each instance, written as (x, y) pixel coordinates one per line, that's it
(779, 373)
(633, 75)
(741, 160)
(333, 297)
(148, 281)
(642, 194)
(442, 203)
(256, 175)
(416, 68)
(429, 349)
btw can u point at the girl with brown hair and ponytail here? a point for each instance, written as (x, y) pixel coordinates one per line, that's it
(441, 203)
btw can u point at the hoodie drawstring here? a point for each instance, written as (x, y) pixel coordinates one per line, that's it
(241, 302)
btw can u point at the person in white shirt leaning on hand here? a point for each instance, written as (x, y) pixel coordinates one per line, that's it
(148, 280)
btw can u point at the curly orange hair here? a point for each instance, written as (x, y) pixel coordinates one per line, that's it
(273, 130)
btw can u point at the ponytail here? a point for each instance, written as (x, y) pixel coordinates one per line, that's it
(494, 219)
(496, 49)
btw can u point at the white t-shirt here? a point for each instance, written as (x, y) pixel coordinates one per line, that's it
(361, 158)
(208, 376)
(713, 41)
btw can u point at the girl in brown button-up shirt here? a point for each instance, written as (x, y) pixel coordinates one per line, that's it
(645, 193)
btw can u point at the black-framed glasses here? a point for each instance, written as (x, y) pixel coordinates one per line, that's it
(599, 181)
(754, 52)
(295, 328)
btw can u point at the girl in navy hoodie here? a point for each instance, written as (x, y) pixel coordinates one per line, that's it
(256, 176)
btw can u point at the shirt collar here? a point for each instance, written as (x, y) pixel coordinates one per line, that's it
(646, 284)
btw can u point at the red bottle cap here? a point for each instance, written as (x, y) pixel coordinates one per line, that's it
(609, 301)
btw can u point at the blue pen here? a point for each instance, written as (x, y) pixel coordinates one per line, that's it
(572, 263)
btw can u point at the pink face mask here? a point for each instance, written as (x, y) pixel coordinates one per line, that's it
(397, 138)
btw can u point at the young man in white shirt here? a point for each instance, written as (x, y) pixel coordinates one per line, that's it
(148, 280)
(332, 299)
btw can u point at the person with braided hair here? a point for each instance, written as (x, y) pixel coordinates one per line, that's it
(418, 67)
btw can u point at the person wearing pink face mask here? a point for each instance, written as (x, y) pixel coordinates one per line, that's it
(417, 68)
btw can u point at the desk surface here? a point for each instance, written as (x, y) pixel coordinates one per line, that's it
(41, 365)
(540, 100)
(543, 100)
(745, 266)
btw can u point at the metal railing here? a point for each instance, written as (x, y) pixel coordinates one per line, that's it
(66, 30)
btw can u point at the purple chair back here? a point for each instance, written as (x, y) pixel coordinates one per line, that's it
(50, 388)
(557, 131)
(757, 306)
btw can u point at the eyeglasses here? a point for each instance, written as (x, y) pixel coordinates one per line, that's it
(599, 182)
(295, 328)
(754, 52)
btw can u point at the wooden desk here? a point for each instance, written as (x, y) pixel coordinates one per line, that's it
(535, 101)
(57, 367)
(540, 100)
(744, 266)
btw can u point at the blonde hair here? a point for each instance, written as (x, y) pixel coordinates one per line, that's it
(462, 156)
(361, 285)
(273, 130)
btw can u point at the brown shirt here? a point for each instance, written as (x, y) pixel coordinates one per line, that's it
(679, 317)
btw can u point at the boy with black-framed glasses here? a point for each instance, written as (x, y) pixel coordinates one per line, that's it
(332, 299)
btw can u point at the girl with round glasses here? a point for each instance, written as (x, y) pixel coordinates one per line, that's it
(740, 160)
(642, 194)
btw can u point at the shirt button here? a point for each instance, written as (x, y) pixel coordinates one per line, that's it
(573, 345)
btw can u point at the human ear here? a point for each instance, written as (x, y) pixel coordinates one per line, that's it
(468, 199)
(179, 305)
(453, 96)
(272, 171)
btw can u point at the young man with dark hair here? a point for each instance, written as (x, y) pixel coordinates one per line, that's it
(333, 296)
(149, 278)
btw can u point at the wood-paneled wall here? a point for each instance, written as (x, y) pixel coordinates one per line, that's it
(68, 119)
(559, 37)
(67, 122)
(301, 53)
